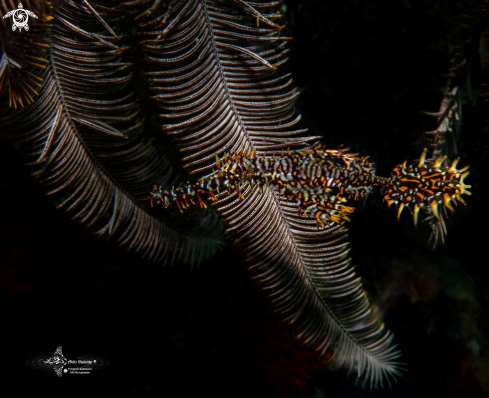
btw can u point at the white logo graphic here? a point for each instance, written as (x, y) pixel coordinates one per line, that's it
(58, 363)
(20, 17)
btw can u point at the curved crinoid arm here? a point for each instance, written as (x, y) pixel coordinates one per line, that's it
(86, 138)
(215, 68)
(443, 139)
(428, 185)
(23, 57)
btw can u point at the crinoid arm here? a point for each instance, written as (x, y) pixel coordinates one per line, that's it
(222, 92)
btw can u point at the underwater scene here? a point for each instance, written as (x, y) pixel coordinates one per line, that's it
(233, 198)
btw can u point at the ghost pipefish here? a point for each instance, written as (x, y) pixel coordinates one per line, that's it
(322, 182)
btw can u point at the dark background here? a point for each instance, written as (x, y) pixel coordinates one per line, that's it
(366, 70)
